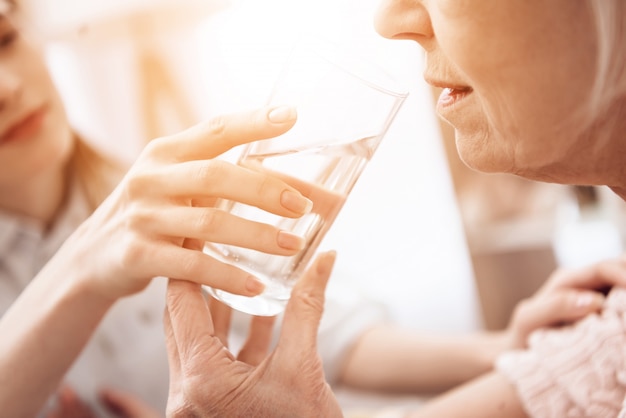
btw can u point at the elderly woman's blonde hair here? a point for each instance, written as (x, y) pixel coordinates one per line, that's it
(610, 20)
(602, 116)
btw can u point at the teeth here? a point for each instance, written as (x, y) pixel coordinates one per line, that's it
(454, 90)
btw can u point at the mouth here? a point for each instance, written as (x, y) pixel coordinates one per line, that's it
(452, 92)
(25, 126)
(452, 95)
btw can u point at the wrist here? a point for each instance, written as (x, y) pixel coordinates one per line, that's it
(43, 332)
(500, 341)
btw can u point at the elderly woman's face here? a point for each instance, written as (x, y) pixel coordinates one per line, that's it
(514, 74)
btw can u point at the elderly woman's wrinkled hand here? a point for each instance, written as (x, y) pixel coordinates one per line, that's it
(567, 296)
(207, 380)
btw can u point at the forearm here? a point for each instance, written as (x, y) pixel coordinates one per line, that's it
(489, 396)
(42, 334)
(393, 359)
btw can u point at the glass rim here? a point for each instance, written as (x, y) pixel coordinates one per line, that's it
(368, 72)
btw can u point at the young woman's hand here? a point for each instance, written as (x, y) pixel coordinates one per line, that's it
(567, 296)
(207, 380)
(138, 234)
(167, 196)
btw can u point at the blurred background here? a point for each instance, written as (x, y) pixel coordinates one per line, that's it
(439, 246)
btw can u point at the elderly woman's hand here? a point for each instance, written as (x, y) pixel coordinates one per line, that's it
(567, 296)
(207, 380)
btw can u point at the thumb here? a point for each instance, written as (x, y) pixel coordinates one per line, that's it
(306, 306)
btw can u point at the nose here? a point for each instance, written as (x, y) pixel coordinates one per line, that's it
(10, 87)
(404, 19)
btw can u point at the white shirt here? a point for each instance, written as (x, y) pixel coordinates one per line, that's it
(127, 350)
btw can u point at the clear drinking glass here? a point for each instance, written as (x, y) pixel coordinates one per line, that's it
(345, 105)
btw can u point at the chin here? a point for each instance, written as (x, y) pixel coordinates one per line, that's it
(477, 156)
(62, 147)
(483, 165)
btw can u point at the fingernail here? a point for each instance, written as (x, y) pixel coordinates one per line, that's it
(289, 241)
(254, 286)
(282, 114)
(326, 262)
(295, 202)
(588, 299)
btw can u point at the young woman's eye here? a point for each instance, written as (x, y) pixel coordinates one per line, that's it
(7, 38)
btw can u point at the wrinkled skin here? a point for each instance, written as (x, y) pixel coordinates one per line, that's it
(206, 380)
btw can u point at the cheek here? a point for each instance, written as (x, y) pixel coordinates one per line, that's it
(530, 112)
(496, 142)
(53, 146)
(530, 68)
(58, 124)
(497, 134)
(531, 78)
(61, 136)
(536, 121)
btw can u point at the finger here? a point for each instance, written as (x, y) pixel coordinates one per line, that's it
(218, 178)
(173, 358)
(306, 305)
(221, 314)
(125, 405)
(215, 225)
(174, 296)
(557, 308)
(257, 344)
(597, 276)
(220, 134)
(195, 266)
(191, 323)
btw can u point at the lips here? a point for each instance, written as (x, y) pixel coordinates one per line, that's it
(453, 90)
(452, 95)
(24, 126)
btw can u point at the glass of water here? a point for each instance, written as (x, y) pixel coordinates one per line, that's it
(345, 105)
